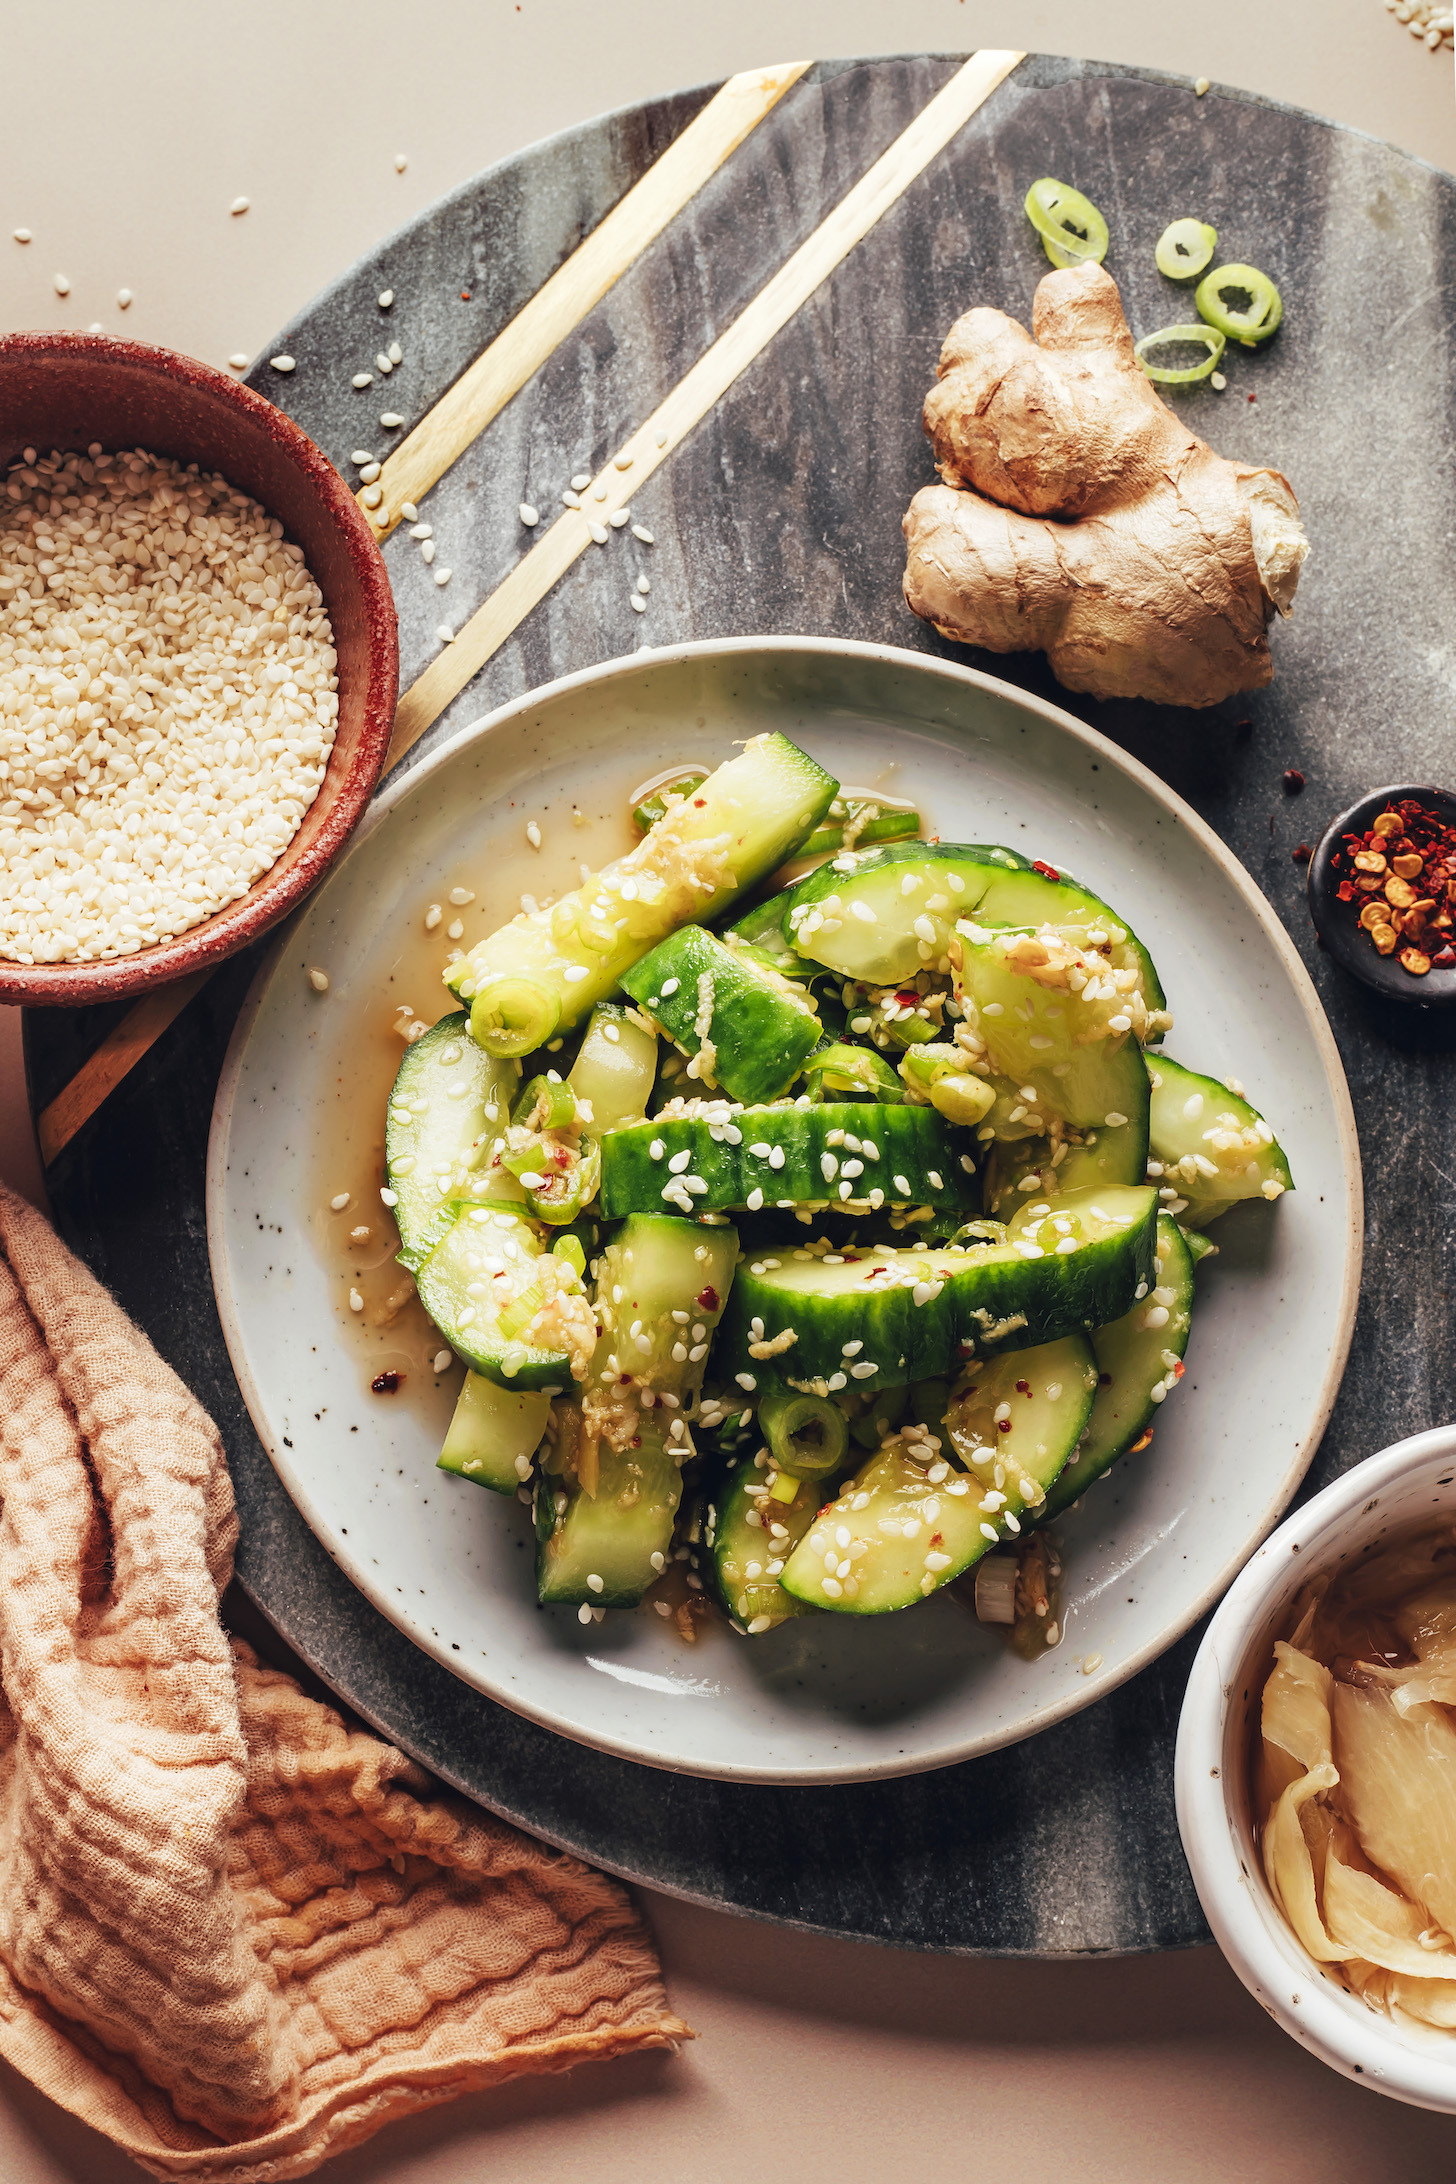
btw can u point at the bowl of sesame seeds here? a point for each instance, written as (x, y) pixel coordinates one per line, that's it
(198, 666)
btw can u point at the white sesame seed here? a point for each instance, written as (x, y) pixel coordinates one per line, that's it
(396, 353)
(287, 364)
(445, 634)
(584, 1613)
(1217, 381)
(427, 547)
(409, 513)
(356, 1302)
(529, 516)
(372, 495)
(238, 360)
(239, 204)
(443, 576)
(22, 234)
(382, 363)
(391, 420)
(60, 284)
(599, 534)
(401, 161)
(618, 517)
(640, 530)
(363, 379)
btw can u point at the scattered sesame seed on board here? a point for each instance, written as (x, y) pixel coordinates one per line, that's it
(363, 379)
(22, 234)
(391, 420)
(637, 603)
(238, 361)
(445, 634)
(386, 298)
(581, 481)
(408, 512)
(443, 576)
(396, 353)
(60, 284)
(529, 516)
(123, 298)
(401, 161)
(427, 549)
(640, 531)
(382, 363)
(369, 472)
(599, 534)
(239, 204)
(644, 585)
(1200, 85)
(283, 363)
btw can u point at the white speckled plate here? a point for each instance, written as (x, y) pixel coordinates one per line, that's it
(817, 1700)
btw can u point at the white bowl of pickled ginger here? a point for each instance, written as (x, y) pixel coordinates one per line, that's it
(1316, 1773)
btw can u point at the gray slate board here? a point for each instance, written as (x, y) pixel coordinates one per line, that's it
(782, 513)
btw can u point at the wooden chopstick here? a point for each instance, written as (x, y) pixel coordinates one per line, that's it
(538, 571)
(570, 535)
(575, 288)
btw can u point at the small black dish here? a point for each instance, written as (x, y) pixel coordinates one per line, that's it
(1335, 921)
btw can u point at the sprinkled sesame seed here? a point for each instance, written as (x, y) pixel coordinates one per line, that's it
(618, 517)
(529, 516)
(22, 234)
(239, 204)
(443, 576)
(386, 298)
(401, 161)
(640, 530)
(599, 534)
(372, 495)
(368, 472)
(533, 834)
(445, 634)
(363, 379)
(286, 364)
(123, 298)
(391, 420)
(584, 1613)
(60, 284)
(238, 360)
(408, 512)
(356, 1302)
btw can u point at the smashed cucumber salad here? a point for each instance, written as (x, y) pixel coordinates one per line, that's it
(840, 1237)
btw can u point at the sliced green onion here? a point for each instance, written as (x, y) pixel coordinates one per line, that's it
(514, 1319)
(1182, 375)
(854, 1071)
(889, 826)
(544, 1105)
(939, 1071)
(566, 1184)
(1249, 323)
(807, 1437)
(653, 804)
(1185, 248)
(569, 1248)
(511, 1016)
(1072, 230)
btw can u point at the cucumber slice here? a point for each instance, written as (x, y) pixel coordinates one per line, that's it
(741, 1025)
(1058, 1018)
(907, 1523)
(743, 1559)
(948, 880)
(850, 1154)
(762, 928)
(518, 1315)
(611, 1479)
(494, 1434)
(447, 1112)
(1017, 1169)
(820, 1322)
(1138, 1365)
(542, 973)
(1210, 1145)
(615, 1067)
(838, 1071)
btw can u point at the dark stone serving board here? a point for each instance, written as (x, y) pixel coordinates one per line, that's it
(782, 513)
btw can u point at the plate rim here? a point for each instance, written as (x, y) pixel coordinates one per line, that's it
(413, 772)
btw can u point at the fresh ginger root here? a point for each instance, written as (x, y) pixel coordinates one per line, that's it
(1079, 516)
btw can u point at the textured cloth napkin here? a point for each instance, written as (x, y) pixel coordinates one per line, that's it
(235, 1935)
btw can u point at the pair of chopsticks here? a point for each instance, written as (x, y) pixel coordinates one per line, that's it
(517, 353)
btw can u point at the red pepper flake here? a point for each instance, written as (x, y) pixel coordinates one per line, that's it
(1104, 1380)
(908, 1000)
(1293, 781)
(1003, 1425)
(1179, 1369)
(465, 298)
(1301, 853)
(1142, 1443)
(1410, 894)
(1048, 872)
(1252, 398)
(1023, 1387)
(386, 1383)
(708, 1299)
(700, 803)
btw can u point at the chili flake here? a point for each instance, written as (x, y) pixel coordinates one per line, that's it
(1403, 872)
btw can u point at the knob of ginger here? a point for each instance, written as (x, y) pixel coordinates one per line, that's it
(1080, 517)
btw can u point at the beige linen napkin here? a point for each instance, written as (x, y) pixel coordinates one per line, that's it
(235, 1935)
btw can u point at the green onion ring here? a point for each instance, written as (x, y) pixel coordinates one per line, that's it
(1072, 230)
(807, 1436)
(513, 1015)
(1184, 376)
(1265, 310)
(1185, 249)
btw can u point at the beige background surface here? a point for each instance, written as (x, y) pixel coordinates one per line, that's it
(128, 131)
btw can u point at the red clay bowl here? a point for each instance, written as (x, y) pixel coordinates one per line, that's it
(68, 390)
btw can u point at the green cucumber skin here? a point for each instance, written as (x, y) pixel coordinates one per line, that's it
(445, 1134)
(1076, 1077)
(1174, 1136)
(443, 1281)
(1134, 1356)
(615, 1067)
(654, 1266)
(766, 801)
(991, 1299)
(913, 1142)
(761, 1029)
(492, 1428)
(1118, 1155)
(1001, 888)
(949, 1513)
(730, 1542)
